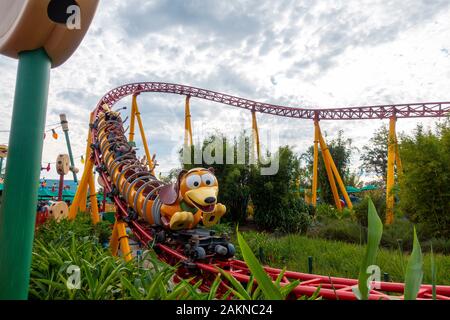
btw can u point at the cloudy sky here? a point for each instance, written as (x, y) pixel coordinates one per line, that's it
(296, 53)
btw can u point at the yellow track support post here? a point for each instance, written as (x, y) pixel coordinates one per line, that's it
(119, 239)
(83, 200)
(79, 201)
(326, 160)
(114, 241)
(398, 161)
(132, 119)
(340, 182)
(81, 190)
(93, 198)
(187, 123)
(390, 171)
(316, 161)
(144, 139)
(255, 133)
(331, 169)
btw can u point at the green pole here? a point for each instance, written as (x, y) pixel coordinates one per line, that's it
(18, 211)
(310, 264)
(65, 127)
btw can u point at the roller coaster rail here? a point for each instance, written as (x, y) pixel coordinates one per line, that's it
(407, 110)
(207, 271)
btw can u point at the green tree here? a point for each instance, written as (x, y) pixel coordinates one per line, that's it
(276, 205)
(424, 187)
(340, 150)
(233, 176)
(374, 155)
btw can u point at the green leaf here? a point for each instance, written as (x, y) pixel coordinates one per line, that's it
(238, 290)
(286, 290)
(250, 284)
(213, 290)
(269, 289)
(414, 271)
(135, 294)
(375, 230)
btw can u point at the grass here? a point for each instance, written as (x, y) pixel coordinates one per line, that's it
(78, 244)
(337, 258)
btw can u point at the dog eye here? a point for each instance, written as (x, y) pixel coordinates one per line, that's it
(208, 179)
(193, 181)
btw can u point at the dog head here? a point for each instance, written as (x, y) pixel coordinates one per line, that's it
(198, 187)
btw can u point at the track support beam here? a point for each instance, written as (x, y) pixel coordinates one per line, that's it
(144, 139)
(331, 169)
(119, 240)
(187, 123)
(393, 158)
(255, 135)
(87, 183)
(316, 162)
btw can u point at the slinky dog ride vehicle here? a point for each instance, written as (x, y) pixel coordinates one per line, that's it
(172, 210)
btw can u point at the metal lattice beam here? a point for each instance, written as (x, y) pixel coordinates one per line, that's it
(411, 110)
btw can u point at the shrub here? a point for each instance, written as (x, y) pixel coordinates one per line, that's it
(324, 210)
(424, 192)
(275, 206)
(102, 276)
(398, 235)
(328, 211)
(294, 216)
(338, 229)
(60, 232)
(360, 209)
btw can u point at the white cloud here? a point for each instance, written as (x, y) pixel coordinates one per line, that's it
(297, 53)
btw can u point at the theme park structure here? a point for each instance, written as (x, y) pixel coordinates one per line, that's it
(140, 199)
(28, 33)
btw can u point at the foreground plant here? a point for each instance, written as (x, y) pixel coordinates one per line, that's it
(414, 271)
(68, 246)
(260, 285)
(375, 230)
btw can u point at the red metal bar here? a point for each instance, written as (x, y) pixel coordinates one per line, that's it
(330, 287)
(409, 110)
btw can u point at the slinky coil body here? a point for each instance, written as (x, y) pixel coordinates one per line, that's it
(176, 206)
(130, 177)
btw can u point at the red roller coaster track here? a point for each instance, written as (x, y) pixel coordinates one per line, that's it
(408, 110)
(330, 287)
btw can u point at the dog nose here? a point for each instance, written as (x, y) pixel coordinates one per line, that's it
(210, 200)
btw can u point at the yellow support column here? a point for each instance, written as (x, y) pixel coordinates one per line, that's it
(79, 201)
(398, 161)
(255, 133)
(316, 162)
(326, 160)
(132, 118)
(93, 198)
(83, 201)
(340, 182)
(144, 139)
(114, 241)
(390, 172)
(187, 123)
(81, 190)
(123, 241)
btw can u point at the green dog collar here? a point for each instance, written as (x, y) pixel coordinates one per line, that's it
(185, 207)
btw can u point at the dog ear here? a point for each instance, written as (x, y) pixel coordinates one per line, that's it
(211, 169)
(169, 193)
(180, 176)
